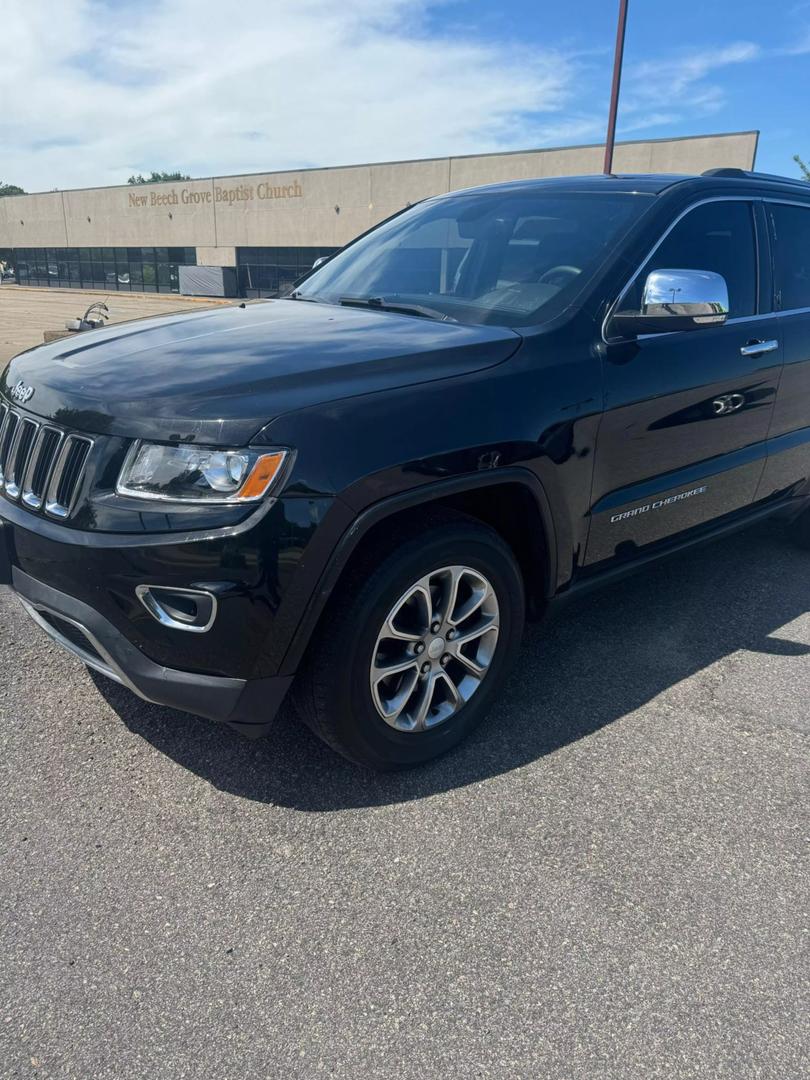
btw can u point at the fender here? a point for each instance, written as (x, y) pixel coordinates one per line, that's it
(393, 504)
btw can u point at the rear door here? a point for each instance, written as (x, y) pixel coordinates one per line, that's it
(788, 467)
(684, 435)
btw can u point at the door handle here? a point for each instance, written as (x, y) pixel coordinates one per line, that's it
(728, 403)
(757, 348)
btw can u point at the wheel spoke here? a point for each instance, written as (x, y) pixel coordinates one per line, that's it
(384, 670)
(421, 599)
(452, 689)
(469, 663)
(392, 707)
(474, 632)
(479, 592)
(425, 701)
(452, 578)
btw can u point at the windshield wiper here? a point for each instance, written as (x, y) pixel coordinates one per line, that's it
(296, 295)
(381, 304)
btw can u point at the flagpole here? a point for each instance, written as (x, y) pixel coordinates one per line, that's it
(614, 93)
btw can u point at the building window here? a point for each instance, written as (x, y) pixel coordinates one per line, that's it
(272, 271)
(117, 269)
(7, 264)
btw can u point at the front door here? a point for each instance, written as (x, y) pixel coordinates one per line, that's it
(683, 439)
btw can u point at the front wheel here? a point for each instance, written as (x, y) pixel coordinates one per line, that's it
(416, 646)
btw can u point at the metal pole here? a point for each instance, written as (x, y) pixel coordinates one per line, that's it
(614, 93)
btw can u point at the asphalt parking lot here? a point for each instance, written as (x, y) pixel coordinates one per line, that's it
(609, 881)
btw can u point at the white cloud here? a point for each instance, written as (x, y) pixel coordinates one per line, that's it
(670, 89)
(95, 91)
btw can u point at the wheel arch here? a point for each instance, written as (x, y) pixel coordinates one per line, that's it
(512, 501)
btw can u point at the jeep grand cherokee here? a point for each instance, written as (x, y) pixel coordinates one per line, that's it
(358, 492)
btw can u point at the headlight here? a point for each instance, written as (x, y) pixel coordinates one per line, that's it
(198, 474)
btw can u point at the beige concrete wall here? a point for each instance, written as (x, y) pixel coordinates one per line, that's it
(693, 155)
(216, 256)
(32, 220)
(141, 215)
(316, 207)
(667, 156)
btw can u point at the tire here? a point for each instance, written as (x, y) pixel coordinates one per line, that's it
(333, 693)
(800, 529)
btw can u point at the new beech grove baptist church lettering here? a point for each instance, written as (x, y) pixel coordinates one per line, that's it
(229, 195)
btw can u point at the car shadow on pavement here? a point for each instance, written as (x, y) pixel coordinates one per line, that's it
(587, 665)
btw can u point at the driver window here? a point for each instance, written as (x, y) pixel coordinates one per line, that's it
(718, 236)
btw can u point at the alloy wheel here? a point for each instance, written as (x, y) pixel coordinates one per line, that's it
(435, 648)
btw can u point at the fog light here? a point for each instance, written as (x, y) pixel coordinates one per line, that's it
(180, 609)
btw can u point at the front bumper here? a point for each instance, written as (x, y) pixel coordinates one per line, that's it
(247, 705)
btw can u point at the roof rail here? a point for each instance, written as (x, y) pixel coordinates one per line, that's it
(744, 174)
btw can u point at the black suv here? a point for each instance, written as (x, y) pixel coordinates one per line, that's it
(359, 491)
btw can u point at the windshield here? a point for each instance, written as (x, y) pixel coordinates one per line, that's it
(499, 258)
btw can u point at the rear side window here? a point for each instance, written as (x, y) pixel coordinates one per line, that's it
(717, 236)
(791, 234)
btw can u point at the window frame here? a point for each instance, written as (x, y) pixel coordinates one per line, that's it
(768, 201)
(759, 241)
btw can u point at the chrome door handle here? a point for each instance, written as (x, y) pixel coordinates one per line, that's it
(728, 403)
(756, 348)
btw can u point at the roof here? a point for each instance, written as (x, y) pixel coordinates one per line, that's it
(737, 180)
(645, 184)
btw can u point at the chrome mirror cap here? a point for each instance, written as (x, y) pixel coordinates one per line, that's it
(699, 294)
(677, 300)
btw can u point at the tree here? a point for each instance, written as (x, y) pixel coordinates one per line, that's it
(805, 168)
(10, 189)
(156, 177)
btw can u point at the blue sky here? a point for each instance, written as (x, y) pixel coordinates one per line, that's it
(745, 63)
(97, 89)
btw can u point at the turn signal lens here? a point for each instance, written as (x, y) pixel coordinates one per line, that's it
(262, 475)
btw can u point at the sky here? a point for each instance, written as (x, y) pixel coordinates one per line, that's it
(92, 91)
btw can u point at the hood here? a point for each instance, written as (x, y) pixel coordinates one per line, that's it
(219, 375)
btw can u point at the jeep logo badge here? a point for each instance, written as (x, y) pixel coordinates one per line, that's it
(22, 393)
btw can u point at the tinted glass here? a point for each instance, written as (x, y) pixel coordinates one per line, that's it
(791, 232)
(718, 236)
(507, 258)
(267, 271)
(104, 269)
(7, 264)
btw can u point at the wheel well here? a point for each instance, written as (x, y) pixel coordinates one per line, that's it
(509, 508)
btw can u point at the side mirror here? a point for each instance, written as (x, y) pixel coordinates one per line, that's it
(676, 300)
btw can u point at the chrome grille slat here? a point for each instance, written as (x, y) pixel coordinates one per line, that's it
(41, 462)
(10, 422)
(66, 477)
(20, 451)
(3, 418)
